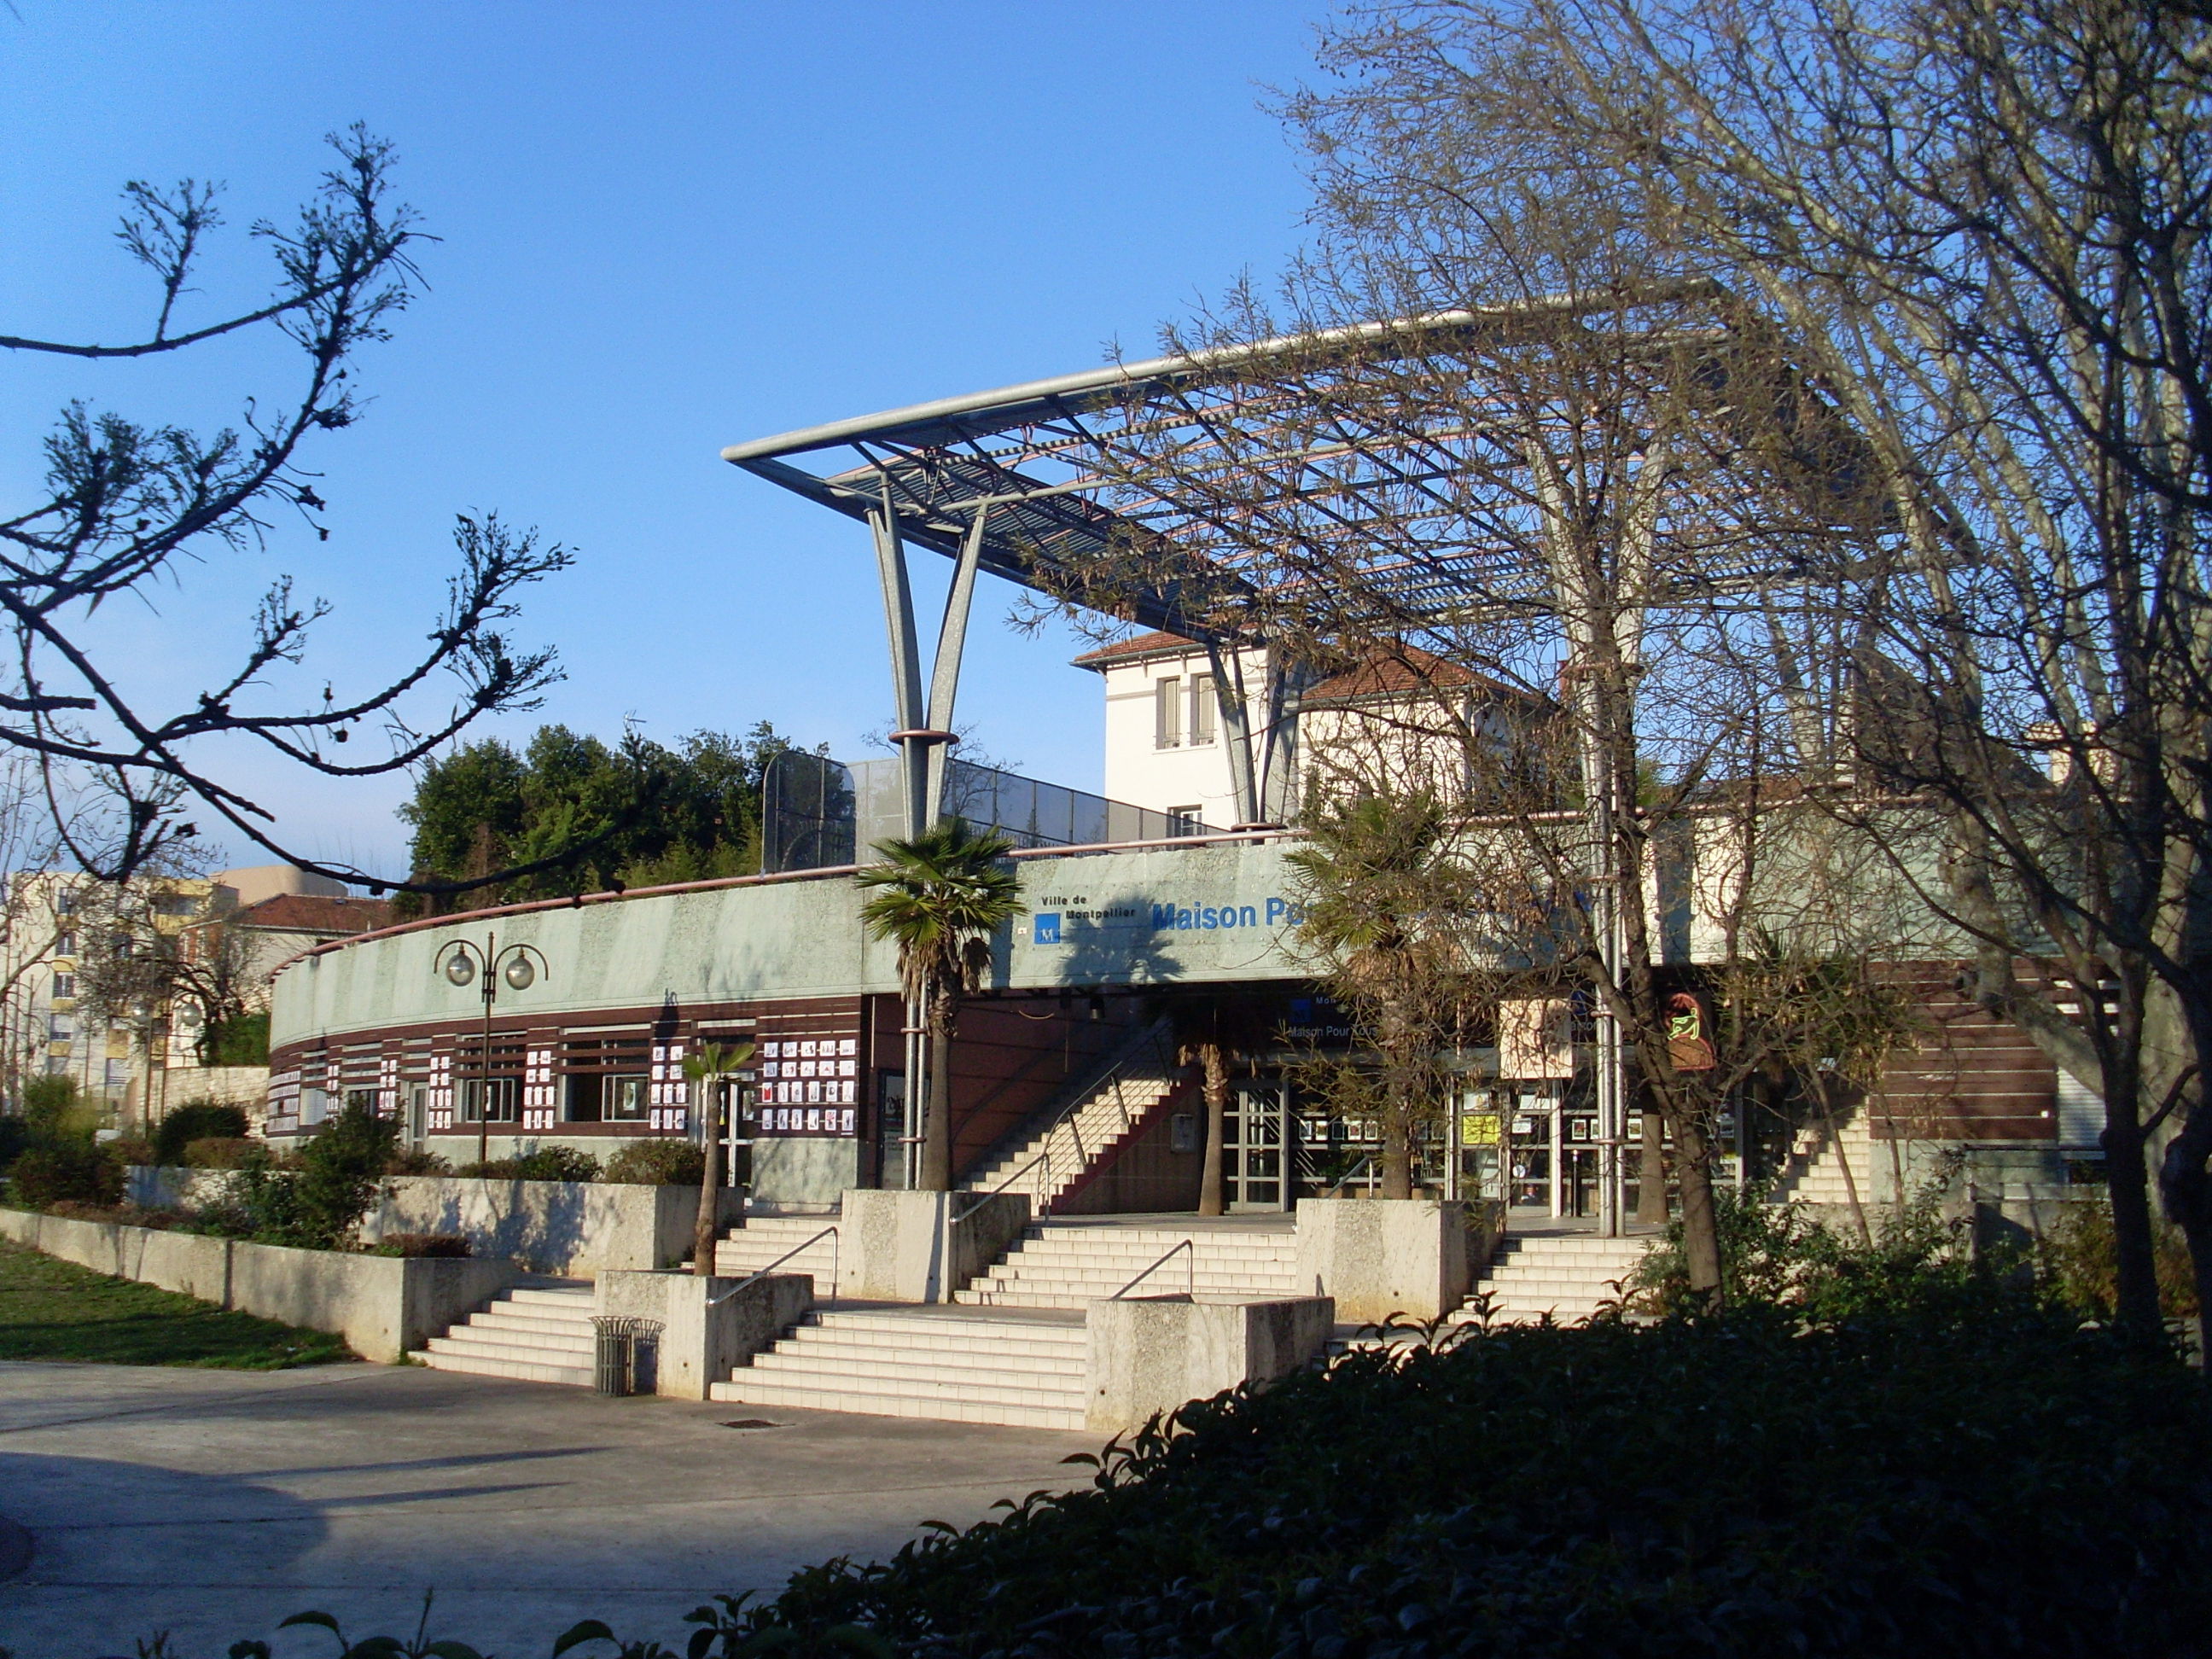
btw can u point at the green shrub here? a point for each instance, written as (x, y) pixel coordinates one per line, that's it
(1780, 1254)
(260, 1202)
(53, 1111)
(538, 1163)
(339, 1173)
(2079, 1261)
(416, 1161)
(198, 1120)
(1983, 1478)
(225, 1152)
(66, 1170)
(15, 1136)
(421, 1244)
(665, 1162)
(241, 1040)
(127, 1149)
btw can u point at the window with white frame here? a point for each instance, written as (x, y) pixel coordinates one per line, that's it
(1167, 713)
(1203, 707)
(65, 944)
(64, 985)
(1182, 820)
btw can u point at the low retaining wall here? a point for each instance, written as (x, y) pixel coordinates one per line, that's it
(579, 1229)
(709, 1327)
(1143, 1358)
(382, 1305)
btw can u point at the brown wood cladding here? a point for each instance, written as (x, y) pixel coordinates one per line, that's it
(1974, 1077)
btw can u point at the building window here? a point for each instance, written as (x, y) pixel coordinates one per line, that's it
(58, 1029)
(505, 1098)
(64, 985)
(603, 1098)
(65, 902)
(1202, 706)
(1183, 821)
(1167, 713)
(65, 945)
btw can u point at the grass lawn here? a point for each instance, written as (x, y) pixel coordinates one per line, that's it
(52, 1309)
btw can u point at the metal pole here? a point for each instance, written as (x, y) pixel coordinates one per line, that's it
(483, 1097)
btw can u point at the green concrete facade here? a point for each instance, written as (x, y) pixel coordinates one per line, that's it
(1206, 912)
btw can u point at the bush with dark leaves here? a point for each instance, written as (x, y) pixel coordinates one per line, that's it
(1980, 1478)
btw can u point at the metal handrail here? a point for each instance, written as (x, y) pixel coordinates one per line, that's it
(830, 1233)
(1190, 1284)
(1115, 1078)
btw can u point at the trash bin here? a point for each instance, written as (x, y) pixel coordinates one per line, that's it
(619, 1336)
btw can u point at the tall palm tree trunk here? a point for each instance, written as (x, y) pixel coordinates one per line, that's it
(1213, 1062)
(937, 1126)
(703, 1230)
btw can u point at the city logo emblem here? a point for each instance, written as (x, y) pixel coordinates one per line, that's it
(1046, 928)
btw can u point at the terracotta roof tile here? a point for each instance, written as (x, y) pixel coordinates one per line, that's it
(1143, 644)
(314, 912)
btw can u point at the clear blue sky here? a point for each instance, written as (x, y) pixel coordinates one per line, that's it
(667, 226)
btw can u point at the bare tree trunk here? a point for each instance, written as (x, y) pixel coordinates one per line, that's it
(1701, 1246)
(1835, 1140)
(2136, 1311)
(1213, 1062)
(704, 1233)
(937, 1130)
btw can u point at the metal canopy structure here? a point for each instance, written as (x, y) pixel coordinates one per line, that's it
(1421, 472)
(1061, 476)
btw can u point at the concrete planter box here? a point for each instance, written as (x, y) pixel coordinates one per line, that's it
(382, 1305)
(1376, 1257)
(579, 1229)
(1143, 1358)
(709, 1327)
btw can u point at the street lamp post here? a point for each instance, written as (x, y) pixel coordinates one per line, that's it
(519, 966)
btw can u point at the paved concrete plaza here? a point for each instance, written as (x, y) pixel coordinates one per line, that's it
(212, 1504)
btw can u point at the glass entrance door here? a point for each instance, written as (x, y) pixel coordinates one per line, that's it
(1254, 1143)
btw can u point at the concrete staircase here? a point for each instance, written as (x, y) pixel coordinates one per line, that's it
(1078, 1138)
(1065, 1264)
(1815, 1171)
(1566, 1275)
(755, 1246)
(953, 1364)
(534, 1334)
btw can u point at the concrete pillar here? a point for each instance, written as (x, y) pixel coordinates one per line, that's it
(921, 1247)
(1144, 1358)
(1376, 1257)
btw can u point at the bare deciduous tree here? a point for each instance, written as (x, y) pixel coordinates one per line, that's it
(126, 507)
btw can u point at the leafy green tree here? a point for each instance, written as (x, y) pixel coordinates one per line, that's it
(571, 812)
(938, 897)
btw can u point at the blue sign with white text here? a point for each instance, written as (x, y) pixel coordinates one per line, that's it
(1046, 928)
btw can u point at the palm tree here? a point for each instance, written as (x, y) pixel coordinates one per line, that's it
(939, 897)
(1213, 1033)
(1385, 894)
(708, 1065)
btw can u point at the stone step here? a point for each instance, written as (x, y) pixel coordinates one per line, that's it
(1048, 1372)
(557, 1302)
(760, 1392)
(983, 1391)
(575, 1355)
(496, 1318)
(518, 1370)
(475, 1333)
(1006, 1338)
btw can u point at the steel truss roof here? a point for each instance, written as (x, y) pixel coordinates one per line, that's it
(1156, 458)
